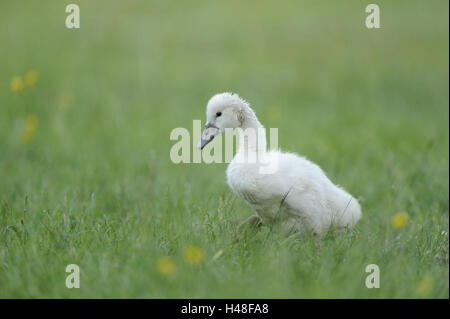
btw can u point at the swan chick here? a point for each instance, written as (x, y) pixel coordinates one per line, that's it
(297, 194)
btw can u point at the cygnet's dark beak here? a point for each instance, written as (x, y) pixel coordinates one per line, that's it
(209, 133)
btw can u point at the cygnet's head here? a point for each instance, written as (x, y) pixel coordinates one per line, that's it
(224, 110)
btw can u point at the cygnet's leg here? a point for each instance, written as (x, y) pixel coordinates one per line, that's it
(253, 222)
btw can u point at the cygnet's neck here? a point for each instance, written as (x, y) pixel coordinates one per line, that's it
(252, 138)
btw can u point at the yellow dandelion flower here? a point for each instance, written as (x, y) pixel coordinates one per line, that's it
(16, 84)
(193, 254)
(29, 129)
(425, 285)
(31, 77)
(166, 266)
(399, 220)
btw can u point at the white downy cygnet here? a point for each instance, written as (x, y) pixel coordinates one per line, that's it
(294, 192)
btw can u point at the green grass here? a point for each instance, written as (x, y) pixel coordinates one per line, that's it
(96, 186)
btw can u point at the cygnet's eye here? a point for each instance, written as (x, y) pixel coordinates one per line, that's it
(219, 114)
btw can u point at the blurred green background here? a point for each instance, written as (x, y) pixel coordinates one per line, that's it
(85, 173)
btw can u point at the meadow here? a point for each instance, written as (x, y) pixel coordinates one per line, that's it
(85, 172)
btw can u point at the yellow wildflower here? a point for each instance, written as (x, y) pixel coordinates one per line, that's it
(31, 77)
(399, 220)
(425, 286)
(16, 84)
(166, 266)
(193, 254)
(29, 129)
